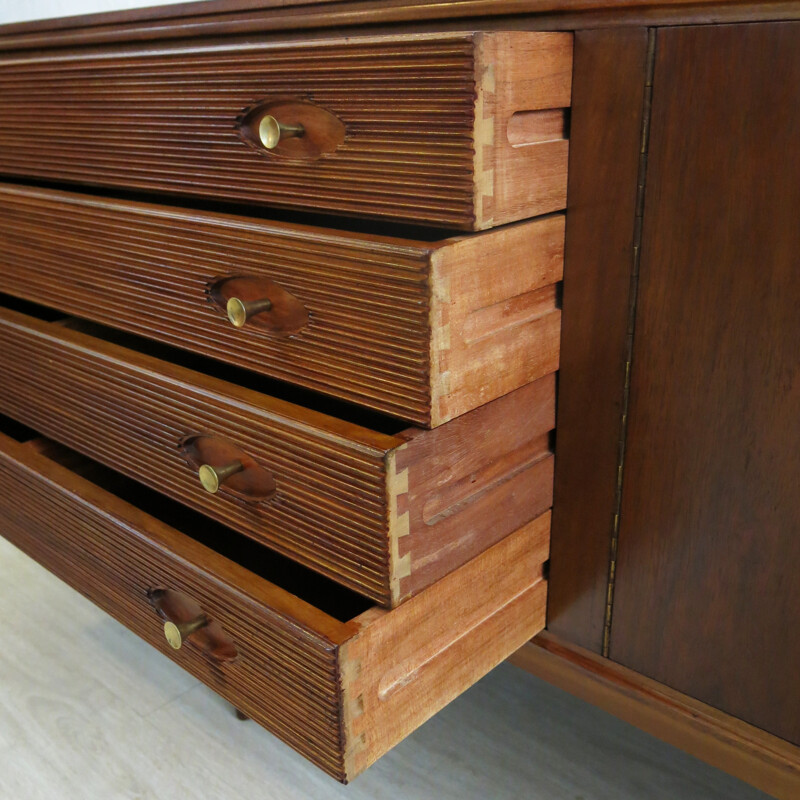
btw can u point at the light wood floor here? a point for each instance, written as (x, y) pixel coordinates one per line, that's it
(90, 712)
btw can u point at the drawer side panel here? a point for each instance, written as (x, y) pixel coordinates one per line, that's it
(407, 664)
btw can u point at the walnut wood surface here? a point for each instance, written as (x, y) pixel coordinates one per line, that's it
(333, 478)
(421, 330)
(766, 762)
(707, 592)
(133, 413)
(340, 706)
(330, 7)
(606, 140)
(417, 148)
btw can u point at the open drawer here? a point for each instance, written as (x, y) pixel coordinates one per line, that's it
(458, 130)
(338, 681)
(378, 507)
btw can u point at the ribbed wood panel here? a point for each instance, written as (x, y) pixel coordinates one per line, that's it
(286, 676)
(165, 120)
(131, 412)
(147, 269)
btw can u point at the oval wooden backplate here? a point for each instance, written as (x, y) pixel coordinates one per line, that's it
(288, 316)
(253, 484)
(324, 132)
(176, 607)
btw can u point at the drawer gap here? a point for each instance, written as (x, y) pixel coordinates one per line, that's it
(335, 600)
(16, 430)
(330, 221)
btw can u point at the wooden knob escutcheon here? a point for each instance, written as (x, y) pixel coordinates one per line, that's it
(291, 128)
(212, 478)
(270, 131)
(239, 311)
(177, 633)
(260, 304)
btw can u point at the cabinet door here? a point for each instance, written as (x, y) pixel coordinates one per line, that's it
(707, 596)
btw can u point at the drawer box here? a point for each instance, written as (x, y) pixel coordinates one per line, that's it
(382, 510)
(458, 130)
(420, 330)
(340, 689)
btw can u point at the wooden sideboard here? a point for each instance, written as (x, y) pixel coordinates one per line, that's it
(671, 588)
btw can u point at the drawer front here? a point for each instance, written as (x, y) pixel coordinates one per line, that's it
(341, 693)
(413, 329)
(406, 128)
(380, 513)
(285, 672)
(134, 415)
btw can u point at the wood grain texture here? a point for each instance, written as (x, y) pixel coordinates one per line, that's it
(330, 510)
(605, 159)
(422, 330)
(495, 324)
(133, 412)
(456, 479)
(405, 665)
(331, 7)
(710, 513)
(286, 676)
(758, 758)
(516, 73)
(293, 675)
(166, 120)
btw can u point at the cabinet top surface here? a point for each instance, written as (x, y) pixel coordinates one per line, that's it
(232, 17)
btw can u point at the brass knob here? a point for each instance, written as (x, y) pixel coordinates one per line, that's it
(213, 477)
(178, 632)
(240, 311)
(270, 131)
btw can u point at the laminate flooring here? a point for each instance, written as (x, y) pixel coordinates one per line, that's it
(88, 711)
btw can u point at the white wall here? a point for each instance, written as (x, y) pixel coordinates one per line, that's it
(22, 10)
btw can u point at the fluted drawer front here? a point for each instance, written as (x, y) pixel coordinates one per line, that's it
(384, 514)
(411, 127)
(285, 671)
(411, 328)
(340, 685)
